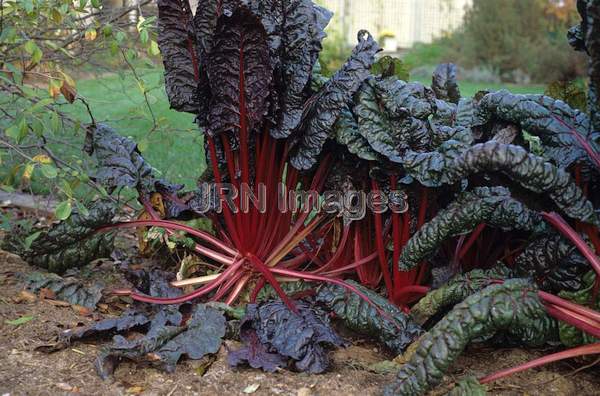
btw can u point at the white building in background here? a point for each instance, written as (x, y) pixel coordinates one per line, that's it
(410, 21)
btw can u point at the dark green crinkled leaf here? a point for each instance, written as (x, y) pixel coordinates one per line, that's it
(575, 34)
(317, 79)
(593, 48)
(454, 161)
(554, 262)
(154, 283)
(570, 336)
(392, 115)
(205, 24)
(201, 337)
(444, 118)
(239, 74)
(363, 318)
(530, 171)
(468, 386)
(290, 288)
(177, 44)
(323, 109)
(347, 134)
(166, 342)
(556, 124)
(430, 168)
(455, 291)
(444, 83)
(301, 337)
(465, 113)
(66, 289)
(70, 243)
(493, 206)
(512, 308)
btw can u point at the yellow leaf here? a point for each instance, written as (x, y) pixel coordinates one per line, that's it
(56, 15)
(42, 159)
(90, 34)
(68, 79)
(158, 205)
(141, 233)
(28, 172)
(54, 88)
(153, 50)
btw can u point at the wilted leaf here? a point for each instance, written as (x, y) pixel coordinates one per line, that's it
(251, 388)
(272, 333)
(570, 92)
(129, 320)
(68, 91)
(66, 289)
(154, 282)
(54, 88)
(166, 342)
(25, 296)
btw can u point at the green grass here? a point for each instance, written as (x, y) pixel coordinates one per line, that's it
(469, 89)
(426, 54)
(175, 148)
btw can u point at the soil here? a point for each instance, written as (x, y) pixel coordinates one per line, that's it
(26, 371)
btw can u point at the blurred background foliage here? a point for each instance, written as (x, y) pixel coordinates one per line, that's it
(65, 64)
(507, 41)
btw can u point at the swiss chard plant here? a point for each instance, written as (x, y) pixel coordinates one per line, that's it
(466, 189)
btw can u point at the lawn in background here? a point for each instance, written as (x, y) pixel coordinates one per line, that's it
(176, 147)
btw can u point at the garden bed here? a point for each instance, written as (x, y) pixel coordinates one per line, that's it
(26, 370)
